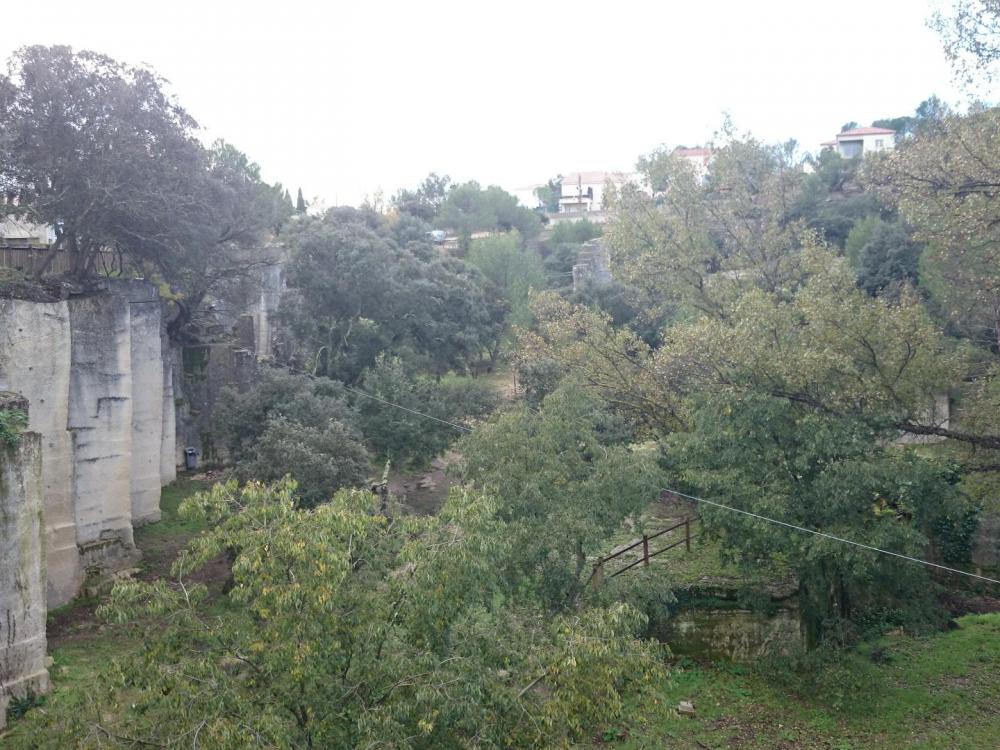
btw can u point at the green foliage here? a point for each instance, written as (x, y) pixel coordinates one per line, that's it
(99, 151)
(12, 423)
(785, 461)
(362, 289)
(565, 483)
(347, 629)
(888, 259)
(939, 181)
(292, 424)
(322, 460)
(469, 208)
(512, 268)
(576, 232)
(409, 439)
(549, 194)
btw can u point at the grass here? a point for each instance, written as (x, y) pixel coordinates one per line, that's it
(80, 645)
(161, 541)
(932, 693)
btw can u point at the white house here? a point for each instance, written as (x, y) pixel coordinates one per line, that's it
(854, 143)
(583, 192)
(698, 158)
(20, 233)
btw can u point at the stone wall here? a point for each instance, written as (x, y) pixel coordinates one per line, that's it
(96, 371)
(22, 569)
(736, 635)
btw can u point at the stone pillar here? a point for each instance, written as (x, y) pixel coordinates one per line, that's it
(22, 566)
(168, 441)
(147, 402)
(100, 422)
(35, 361)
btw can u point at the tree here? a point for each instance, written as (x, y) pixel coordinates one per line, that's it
(888, 259)
(425, 202)
(929, 111)
(971, 37)
(97, 150)
(690, 244)
(358, 292)
(549, 194)
(944, 184)
(322, 459)
(293, 424)
(512, 268)
(565, 481)
(300, 203)
(345, 628)
(469, 208)
(822, 471)
(406, 438)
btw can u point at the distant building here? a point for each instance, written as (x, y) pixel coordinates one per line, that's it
(860, 141)
(698, 158)
(582, 194)
(21, 233)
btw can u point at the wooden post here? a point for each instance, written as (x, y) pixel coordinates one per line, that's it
(645, 550)
(598, 577)
(687, 534)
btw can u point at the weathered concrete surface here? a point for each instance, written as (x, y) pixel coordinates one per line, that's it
(35, 361)
(736, 635)
(168, 439)
(22, 566)
(96, 371)
(147, 402)
(100, 422)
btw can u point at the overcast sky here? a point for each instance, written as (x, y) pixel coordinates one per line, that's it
(346, 98)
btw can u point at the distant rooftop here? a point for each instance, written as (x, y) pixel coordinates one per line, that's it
(691, 152)
(866, 131)
(594, 178)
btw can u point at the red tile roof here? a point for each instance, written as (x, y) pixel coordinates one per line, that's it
(866, 131)
(691, 152)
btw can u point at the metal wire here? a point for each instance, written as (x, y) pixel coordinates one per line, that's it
(830, 536)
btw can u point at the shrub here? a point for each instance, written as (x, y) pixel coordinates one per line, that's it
(407, 438)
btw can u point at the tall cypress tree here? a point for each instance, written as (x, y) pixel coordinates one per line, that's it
(300, 203)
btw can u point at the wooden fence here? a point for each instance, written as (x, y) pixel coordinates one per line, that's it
(598, 574)
(24, 258)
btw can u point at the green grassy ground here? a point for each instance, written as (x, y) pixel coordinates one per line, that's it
(933, 693)
(80, 644)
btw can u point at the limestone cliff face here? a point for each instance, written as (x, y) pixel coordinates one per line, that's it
(22, 569)
(96, 372)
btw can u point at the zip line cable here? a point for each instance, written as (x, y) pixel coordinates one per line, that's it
(830, 536)
(463, 428)
(460, 427)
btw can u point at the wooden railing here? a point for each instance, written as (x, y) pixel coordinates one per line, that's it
(598, 574)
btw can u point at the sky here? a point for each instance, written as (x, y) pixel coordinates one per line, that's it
(346, 99)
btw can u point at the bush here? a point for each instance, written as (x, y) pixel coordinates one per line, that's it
(406, 438)
(293, 424)
(321, 460)
(313, 402)
(12, 423)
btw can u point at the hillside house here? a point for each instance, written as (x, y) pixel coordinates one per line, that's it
(860, 141)
(583, 192)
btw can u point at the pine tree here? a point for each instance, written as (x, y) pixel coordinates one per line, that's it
(300, 203)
